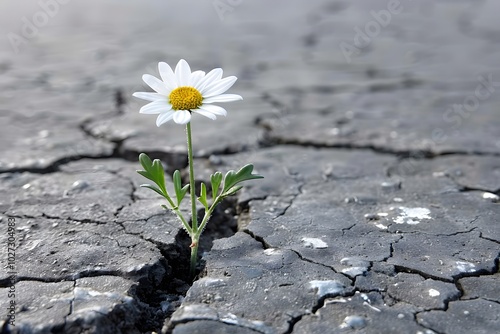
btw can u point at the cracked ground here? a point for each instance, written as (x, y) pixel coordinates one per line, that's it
(380, 207)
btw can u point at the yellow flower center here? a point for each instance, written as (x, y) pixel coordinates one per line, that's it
(185, 98)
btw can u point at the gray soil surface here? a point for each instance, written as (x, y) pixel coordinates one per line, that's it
(376, 125)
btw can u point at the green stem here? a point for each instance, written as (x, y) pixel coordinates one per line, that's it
(195, 238)
(184, 222)
(208, 213)
(177, 211)
(194, 258)
(194, 213)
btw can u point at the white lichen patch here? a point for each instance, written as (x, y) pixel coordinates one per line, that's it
(492, 197)
(354, 271)
(89, 294)
(272, 251)
(434, 293)
(465, 267)
(356, 267)
(230, 318)
(411, 216)
(354, 322)
(324, 288)
(314, 243)
(381, 226)
(211, 282)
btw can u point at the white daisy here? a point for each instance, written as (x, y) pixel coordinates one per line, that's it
(180, 93)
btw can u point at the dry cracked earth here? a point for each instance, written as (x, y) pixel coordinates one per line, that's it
(378, 137)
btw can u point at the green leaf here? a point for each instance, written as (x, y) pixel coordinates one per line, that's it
(145, 161)
(184, 191)
(244, 174)
(233, 190)
(159, 191)
(146, 175)
(159, 173)
(146, 164)
(203, 196)
(228, 180)
(153, 170)
(178, 186)
(215, 180)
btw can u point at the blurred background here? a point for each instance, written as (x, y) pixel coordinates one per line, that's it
(385, 73)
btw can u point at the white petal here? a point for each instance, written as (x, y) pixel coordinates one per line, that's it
(164, 117)
(182, 74)
(212, 76)
(148, 96)
(205, 113)
(156, 107)
(196, 77)
(223, 98)
(167, 75)
(156, 84)
(213, 109)
(219, 87)
(182, 116)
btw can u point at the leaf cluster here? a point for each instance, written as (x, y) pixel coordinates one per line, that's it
(153, 170)
(221, 186)
(228, 185)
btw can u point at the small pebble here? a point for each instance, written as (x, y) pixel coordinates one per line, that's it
(79, 185)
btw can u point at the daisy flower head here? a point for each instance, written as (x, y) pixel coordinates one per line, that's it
(181, 92)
